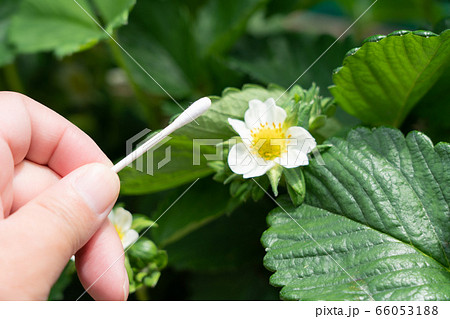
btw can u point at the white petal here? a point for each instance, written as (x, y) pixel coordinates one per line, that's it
(305, 142)
(262, 113)
(240, 159)
(256, 104)
(122, 219)
(260, 169)
(111, 216)
(292, 158)
(129, 238)
(278, 114)
(254, 113)
(240, 128)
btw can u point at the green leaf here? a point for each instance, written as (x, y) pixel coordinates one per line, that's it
(287, 6)
(205, 202)
(317, 122)
(380, 208)
(178, 171)
(114, 13)
(168, 54)
(233, 104)
(382, 81)
(220, 23)
(62, 26)
(185, 58)
(6, 10)
(287, 57)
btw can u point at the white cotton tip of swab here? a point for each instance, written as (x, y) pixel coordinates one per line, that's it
(190, 114)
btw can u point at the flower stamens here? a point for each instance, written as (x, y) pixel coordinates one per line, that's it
(268, 142)
(119, 231)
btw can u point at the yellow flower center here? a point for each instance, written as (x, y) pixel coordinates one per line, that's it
(119, 231)
(269, 141)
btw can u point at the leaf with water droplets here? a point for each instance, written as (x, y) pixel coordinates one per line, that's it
(381, 82)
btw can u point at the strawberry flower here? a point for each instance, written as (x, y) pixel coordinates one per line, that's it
(122, 220)
(267, 141)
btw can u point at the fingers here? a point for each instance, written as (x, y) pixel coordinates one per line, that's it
(59, 144)
(6, 177)
(100, 265)
(15, 138)
(50, 147)
(30, 130)
(15, 125)
(30, 180)
(37, 133)
(100, 252)
(52, 227)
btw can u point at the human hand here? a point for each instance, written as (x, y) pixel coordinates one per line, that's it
(54, 203)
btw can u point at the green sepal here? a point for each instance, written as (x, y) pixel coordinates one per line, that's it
(274, 175)
(323, 147)
(217, 166)
(297, 199)
(291, 107)
(238, 188)
(259, 190)
(257, 193)
(220, 169)
(231, 178)
(152, 280)
(141, 222)
(317, 122)
(148, 279)
(295, 183)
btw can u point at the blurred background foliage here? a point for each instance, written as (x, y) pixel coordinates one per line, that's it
(55, 53)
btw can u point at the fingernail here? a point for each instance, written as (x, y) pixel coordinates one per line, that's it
(126, 286)
(98, 185)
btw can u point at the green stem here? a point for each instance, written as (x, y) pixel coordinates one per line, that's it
(141, 294)
(12, 78)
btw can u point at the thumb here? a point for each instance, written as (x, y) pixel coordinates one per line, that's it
(48, 230)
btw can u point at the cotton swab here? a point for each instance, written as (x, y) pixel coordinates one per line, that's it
(190, 114)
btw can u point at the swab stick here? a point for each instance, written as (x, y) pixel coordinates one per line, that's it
(190, 114)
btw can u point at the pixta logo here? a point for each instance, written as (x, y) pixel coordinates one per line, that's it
(146, 164)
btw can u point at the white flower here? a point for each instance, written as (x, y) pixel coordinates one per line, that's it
(122, 219)
(267, 141)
